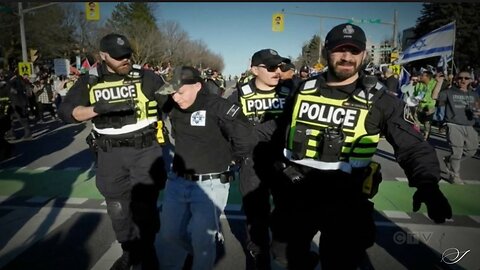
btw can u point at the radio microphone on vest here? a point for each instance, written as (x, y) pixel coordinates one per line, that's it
(369, 82)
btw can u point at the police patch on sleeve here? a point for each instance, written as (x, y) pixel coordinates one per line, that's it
(232, 112)
(198, 118)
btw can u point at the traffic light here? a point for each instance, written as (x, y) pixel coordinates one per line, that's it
(92, 11)
(33, 55)
(372, 51)
(277, 22)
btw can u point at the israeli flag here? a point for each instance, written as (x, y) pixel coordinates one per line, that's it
(404, 77)
(439, 42)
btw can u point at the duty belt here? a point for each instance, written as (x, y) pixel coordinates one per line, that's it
(224, 177)
(138, 140)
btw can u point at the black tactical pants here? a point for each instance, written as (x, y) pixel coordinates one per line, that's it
(331, 203)
(130, 179)
(257, 182)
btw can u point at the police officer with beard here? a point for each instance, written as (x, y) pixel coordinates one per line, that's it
(122, 105)
(333, 132)
(262, 98)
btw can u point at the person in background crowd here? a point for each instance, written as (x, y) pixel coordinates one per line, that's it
(462, 107)
(390, 81)
(426, 107)
(45, 97)
(288, 78)
(304, 72)
(19, 101)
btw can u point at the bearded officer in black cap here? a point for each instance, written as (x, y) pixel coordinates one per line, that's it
(333, 130)
(121, 103)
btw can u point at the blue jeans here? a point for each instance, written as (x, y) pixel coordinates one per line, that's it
(191, 222)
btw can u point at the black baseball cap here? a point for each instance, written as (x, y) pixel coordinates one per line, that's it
(346, 34)
(268, 57)
(287, 66)
(115, 45)
(305, 69)
(181, 75)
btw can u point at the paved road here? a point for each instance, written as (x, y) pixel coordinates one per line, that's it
(52, 217)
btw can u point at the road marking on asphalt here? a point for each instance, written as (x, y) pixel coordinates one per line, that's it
(396, 214)
(75, 200)
(476, 218)
(38, 199)
(470, 182)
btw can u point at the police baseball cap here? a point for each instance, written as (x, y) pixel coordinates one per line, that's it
(287, 66)
(116, 45)
(346, 34)
(268, 57)
(181, 76)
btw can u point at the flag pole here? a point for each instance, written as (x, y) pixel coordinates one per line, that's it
(454, 38)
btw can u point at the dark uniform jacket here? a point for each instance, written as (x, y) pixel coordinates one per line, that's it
(209, 135)
(416, 156)
(78, 94)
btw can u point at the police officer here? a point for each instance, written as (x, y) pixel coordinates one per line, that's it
(333, 132)
(262, 98)
(210, 132)
(5, 121)
(212, 83)
(288, 77)
(122, 105)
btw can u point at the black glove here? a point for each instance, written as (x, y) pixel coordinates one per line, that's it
(438, 207)
(102, 106)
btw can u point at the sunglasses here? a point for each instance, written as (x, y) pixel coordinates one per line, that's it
(352, 50)
(120, 58)
(270, 68)
(464, 78)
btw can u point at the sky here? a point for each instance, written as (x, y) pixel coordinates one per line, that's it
(236, 30)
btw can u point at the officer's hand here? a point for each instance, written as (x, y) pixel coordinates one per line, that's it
(102, 106)
(438, 207)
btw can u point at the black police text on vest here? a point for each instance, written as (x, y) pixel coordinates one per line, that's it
(328, 114)
(263, 104)
(116, 93)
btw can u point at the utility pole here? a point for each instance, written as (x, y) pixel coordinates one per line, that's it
(21, 14)
(394, 28)
(320, 33)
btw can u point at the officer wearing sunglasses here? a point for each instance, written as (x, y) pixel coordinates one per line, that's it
(262, 98)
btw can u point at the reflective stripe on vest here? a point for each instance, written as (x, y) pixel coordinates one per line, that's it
(317, 113)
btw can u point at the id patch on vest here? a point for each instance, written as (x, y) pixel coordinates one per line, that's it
(198, 118)
(264, 104)
(115, 93)
(328, 114)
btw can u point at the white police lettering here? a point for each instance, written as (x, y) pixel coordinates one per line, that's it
(328, 114)
(264, 104)
(116, 93)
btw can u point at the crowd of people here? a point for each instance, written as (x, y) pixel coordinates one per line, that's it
(306, 140)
